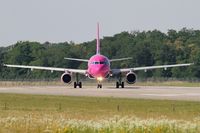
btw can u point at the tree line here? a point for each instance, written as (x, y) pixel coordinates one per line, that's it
(146, 48)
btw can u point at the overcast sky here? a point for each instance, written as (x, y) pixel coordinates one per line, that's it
(75, 20)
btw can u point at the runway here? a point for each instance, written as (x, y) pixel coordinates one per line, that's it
(143, 92)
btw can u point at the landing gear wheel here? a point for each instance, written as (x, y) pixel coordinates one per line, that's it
(75, 84)
(79, 84)
(118, 84)
(99, 86)
(122, 84)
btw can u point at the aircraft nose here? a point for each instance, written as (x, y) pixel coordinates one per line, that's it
(99, 68)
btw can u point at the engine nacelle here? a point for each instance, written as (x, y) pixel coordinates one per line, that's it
(131, 78)
(66, 78)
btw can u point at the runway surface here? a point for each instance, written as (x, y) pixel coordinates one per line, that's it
(144, 92)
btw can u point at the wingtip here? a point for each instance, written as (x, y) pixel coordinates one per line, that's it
(3, 65)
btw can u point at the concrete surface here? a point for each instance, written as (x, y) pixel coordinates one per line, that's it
(144, 92)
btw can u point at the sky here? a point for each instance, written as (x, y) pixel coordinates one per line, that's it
(75, 20)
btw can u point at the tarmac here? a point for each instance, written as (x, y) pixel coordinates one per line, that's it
(138, 92)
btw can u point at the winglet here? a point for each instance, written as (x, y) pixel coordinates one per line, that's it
(98, 41)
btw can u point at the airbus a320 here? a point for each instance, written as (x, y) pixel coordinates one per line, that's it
(99, 69)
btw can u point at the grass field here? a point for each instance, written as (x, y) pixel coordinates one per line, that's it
(61, 114)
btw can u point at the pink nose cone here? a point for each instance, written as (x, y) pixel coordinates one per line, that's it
(98, 66)
(99, 71)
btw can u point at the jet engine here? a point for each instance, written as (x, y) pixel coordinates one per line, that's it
(131, 78)
(66, 78)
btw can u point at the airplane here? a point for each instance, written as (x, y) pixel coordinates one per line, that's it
(99, 69)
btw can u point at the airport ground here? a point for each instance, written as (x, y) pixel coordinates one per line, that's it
(172, 90)
(58, 108)
(56, 82)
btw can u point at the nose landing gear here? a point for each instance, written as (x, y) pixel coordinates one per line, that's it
(99, 85)
(99, 80)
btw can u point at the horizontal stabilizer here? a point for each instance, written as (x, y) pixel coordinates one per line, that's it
(128, 58)
(84, 60)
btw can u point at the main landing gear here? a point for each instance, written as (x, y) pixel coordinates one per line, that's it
(77, 83)
(119, 82)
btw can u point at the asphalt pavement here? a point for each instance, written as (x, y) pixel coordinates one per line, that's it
(143, 92)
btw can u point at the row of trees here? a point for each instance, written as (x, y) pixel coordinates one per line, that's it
(145, 48)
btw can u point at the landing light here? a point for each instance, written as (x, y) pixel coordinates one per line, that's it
(99, 78)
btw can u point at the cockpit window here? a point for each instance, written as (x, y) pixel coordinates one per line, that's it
(102, 62)
(99, 62)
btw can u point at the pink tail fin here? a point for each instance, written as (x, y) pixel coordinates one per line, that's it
(98, 41)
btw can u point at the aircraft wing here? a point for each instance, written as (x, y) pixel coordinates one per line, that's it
(81, 71)
(76, 59)
(121, 59)
(116, 71)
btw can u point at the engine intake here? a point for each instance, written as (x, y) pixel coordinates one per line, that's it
(131, 78)
(66, 78)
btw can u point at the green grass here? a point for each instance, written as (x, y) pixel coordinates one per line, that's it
(91, 107)
(42, 113)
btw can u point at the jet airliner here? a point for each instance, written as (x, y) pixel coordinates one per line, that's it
(99, 69)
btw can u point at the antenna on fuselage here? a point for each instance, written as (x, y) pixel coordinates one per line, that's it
(98, 41)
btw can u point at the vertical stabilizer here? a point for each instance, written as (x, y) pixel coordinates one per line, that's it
(98, 41)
